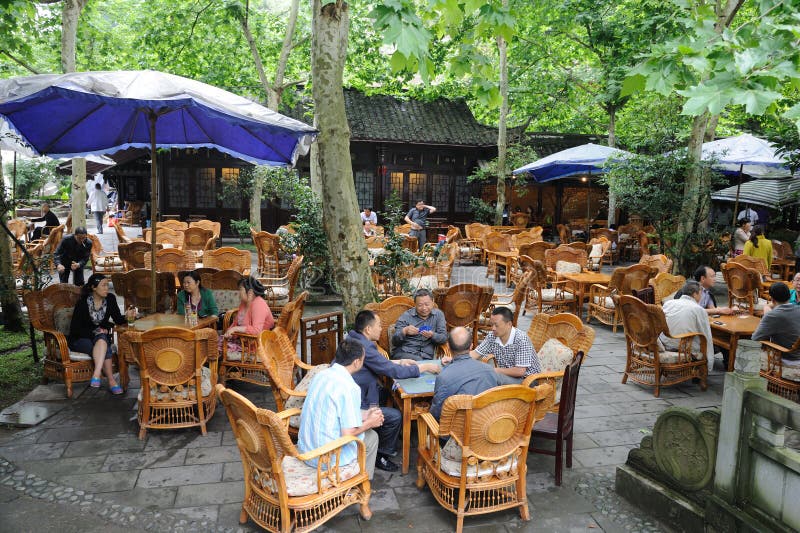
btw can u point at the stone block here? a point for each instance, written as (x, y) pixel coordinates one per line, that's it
(33, 452)
(150, 499)
(215, 454)
(85, 448)
(138, 460)
(56, 468)
(232, 472)
(204, 512)
(100, 481)
(178, 476)
(609, 455)
(188, 438)
(767, 489)
(210, 494)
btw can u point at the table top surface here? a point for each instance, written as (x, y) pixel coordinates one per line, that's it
(510, 253)
(421, 386)
(157, 320)
(587, 277)
(739, 324)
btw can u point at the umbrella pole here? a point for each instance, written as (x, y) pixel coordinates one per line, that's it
(736, 203)
(588, 204)
(153, 206)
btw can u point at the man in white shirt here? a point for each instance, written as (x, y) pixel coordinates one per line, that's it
(750, 214)
(368, 215)
(684, 315)
(98, 203)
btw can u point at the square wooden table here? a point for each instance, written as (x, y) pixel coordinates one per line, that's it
(412, 396)
(155, 320)
(727, 330)
(584, 279)
(508, 260)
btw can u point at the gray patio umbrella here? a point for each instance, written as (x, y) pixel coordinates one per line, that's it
(84, 113)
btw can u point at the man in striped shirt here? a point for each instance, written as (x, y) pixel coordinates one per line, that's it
(332, 409)
(512, 349)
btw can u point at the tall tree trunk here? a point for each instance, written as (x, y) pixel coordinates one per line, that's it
(612, 143)
(69, 30)
(330, 26)
(274, 92)
(12, 313)
(502, 142)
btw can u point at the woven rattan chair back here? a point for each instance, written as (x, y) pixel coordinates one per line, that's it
(18, 228)
(567, 328)
(743, 284)
(660, 262)
(536, 250)
(290, 317)
(228, 258)
(389, 311)
(665, 284)
(53, 239)
(171, 260)
(564, 253)
(497, 242)
(176, 225)
(134, 287)
(214, 227)
(165, 236)
(198, 239)
(637, 276)
(227, 280)
(604, 232)
(132, 254)
(279, 357)
(755, 263)
(476, 230)
(375, 242)
(462, 304)
(519, 220)
(643, 322)
(42, 305)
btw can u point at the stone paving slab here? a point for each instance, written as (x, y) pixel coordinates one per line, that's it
(183, 480)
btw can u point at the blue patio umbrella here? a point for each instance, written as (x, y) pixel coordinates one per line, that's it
(585, 159)
(85, 113)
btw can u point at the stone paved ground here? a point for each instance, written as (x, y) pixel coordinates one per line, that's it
(85, 469)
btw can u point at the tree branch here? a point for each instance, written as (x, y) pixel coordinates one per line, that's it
(194, 23)
(20, 62)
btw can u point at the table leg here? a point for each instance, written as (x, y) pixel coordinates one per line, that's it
(508, 272)
(496, 270)
(732, 351)
(406, 433)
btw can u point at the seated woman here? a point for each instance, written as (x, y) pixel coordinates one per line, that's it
(254, 315)
(90, 330)
(196, 298)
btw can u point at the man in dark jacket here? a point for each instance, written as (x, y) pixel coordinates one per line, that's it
(72, 255)
(50, 221)
(368, 330)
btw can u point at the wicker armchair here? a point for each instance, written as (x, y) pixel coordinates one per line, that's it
(598, 254)
(177, 389)
(495, 242)
(660, 262)
(744, 286)
(49, 246)
(463, 304)
(567, 254)
(132, 254)
(389, 311)
(214, 227)
(135, 288)
(272, 259)
(289, 321)
(646, 363)
(448, 255)
(536, 250)
(176, 225)
(623, 281)
(627, 241)
(519, 220)
(665, 284)
(546, 295)
(50, 311)
(165, 236)
(104, 262)
(514, 301)
(471, 247)
(482, 468)
(224, 285)
(275, 496)
(781, 380)
(131, 215)
(523, 239)
(754, 263)
(197, 240)
(228, 258)
(280, 290)
(403, 229)
(564, 233)
(124, 237)
(171, 260)
(25, 267)
(18, 228)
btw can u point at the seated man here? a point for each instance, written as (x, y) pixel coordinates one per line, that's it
(684, 315)
(464, 375)
(512, 349)
(420, 330)
(50, 221)
(71, 255)
(781, 324)
(706, 277)
(368, 215)
(368, 330)
(332, 409)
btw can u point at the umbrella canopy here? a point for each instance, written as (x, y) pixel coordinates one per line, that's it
(84, 113)
(587, 158)
(772, 193)
(746, 154)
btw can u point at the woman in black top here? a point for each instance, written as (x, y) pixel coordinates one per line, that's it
(90, 330)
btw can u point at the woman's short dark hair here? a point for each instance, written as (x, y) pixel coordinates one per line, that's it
(191, 274)
(92, 283)
(348, 351)
(252, 284)
(743, 221)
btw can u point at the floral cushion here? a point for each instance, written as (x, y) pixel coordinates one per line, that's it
(565, 267)
(424, 282)
(297, 401)
(301, 479)
(605, 301)
(511, 306)
(375, 252)
(162, 393)
(468, 250)
(597, 252)
(451, 463)
(551, 295)
(554, 356)
(62, 320)
(789, 369)
(226, 299)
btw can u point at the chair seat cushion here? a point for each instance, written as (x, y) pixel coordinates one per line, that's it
(62, 319)
(451, 463)
(552, 295)
(597, 253)
(424, 282)
(226, 299)
(565, 267)
(375, 252)
(605, 301)
(78, 356)
(789, 369)
(554, 356)
(301, 479)
(161, 393)
(469, 250)
(296, 402)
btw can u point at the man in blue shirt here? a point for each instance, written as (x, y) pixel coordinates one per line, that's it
(368, 330)
(464, 375)
(419, 330)
(418, 218)
(332, 409)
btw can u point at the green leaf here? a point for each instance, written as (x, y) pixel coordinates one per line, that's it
(632, 84)
(793, 113)
(472, 5)
(398, 62)
(755, 101)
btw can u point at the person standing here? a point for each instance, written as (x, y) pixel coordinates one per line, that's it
(50, 221)
(98, 203)
(418, 218)
(72, 254)
(741, 236)
(749, 214)
(759, 246)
